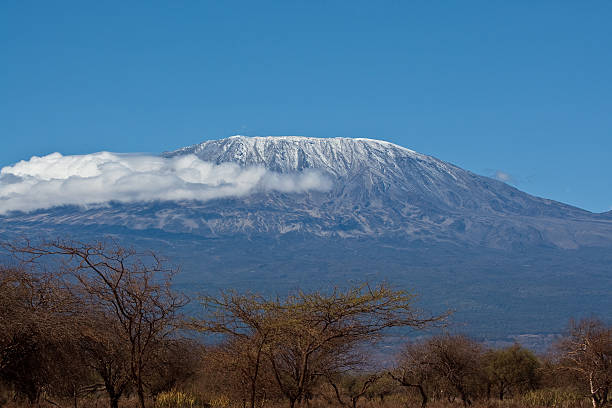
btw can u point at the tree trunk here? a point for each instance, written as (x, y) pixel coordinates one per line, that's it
(139, 384)
(465, 399)
(113, 394)
(424, 398)
(33, 394)
(114, 401)
(594, 398)
(255, 374)
(141, 397)
(253, 389)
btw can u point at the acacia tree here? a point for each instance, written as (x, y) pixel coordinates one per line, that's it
(349, 389)
(414, 369)
(456, 363)
(251, 323)
(106, 350)
(587, 351)
(132, 288)
(511, 368)
(323, 329)
(177, 361)
(306, 335)
(381, 389)
(36, 321)
(226, 371)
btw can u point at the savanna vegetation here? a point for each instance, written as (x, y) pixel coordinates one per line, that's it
(100, 325)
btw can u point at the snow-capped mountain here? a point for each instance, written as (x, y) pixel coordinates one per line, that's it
(378, 189)
(374, 171)
(381, 211)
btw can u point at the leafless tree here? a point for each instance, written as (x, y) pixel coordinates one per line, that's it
(587, 351)
(414, 369)
(350, 388)
(106, 350)
(176, 362)
(133, 288)
(250, 322)
(456, 363)
(36, 316)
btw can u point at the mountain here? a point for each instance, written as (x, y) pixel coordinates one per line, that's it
(462, 240)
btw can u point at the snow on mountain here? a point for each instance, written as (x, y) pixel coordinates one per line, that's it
(464, 241)
(377, 189)
(372, 172)
(338, 156)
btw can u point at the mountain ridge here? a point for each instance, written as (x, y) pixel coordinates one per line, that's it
(462, 241)
(246, 151)
(379, 189)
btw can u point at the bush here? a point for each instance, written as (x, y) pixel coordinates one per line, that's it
(221, 401)
(175, 399)
(552, 397)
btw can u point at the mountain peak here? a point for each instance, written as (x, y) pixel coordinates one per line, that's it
(372, 188)
(337, 156)
(322, 140)
(379, 177)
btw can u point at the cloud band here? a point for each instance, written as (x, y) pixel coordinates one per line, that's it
(55, 180)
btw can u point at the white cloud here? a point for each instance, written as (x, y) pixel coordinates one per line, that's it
(52, 180)
(503, 176)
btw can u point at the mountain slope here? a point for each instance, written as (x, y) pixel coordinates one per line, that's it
(507, 261)
(377, 169)
(378, 190)
(384, 189)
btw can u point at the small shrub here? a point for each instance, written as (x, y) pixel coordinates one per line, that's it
(551, 397)
(175, 399)
(222, 401)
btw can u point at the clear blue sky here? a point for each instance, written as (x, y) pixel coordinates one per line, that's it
(519, 87)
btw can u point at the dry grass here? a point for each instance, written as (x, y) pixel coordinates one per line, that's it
(541, 399)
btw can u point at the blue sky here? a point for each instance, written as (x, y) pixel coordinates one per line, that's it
(520, 89)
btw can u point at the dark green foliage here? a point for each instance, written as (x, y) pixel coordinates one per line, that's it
(511, 370)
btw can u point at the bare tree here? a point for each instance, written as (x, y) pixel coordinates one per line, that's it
(456, 362)
(177, 361)
(35, 324)
(414, 369)
(382, 388)
(251, 322)
(587, 351)
(133, 288)
(106, 350)
(349, 389)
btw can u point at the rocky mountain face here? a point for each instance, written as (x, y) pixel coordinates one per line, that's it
(462, 240)
(381, 189)
(378, 190)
